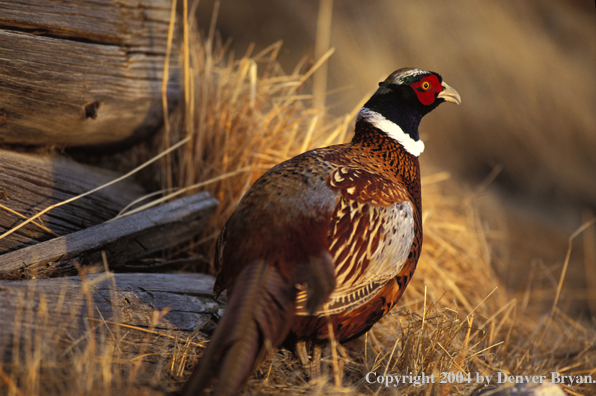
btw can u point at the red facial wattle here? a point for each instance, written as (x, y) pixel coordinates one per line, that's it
(427, 88)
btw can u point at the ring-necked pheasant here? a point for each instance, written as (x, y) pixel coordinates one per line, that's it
(333, 234)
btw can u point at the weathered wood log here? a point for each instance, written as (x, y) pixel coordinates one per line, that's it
(30, 183)
(123, 239)
(83, 73)
(53, 308)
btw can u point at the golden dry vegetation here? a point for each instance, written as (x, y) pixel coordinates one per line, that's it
(242, 114)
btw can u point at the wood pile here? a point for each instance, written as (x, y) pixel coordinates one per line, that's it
(88, 75)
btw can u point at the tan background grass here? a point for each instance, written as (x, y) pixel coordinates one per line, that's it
(527, 68)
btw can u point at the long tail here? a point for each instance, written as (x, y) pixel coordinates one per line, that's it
(257, 319)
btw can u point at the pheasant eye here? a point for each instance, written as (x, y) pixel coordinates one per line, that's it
(425, 85)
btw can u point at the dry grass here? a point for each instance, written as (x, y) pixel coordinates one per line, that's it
(239, 125)
(240, 117)
(86, 354)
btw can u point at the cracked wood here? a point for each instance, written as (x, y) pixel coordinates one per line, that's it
(31, 182)
(82, 73)
(123, 239)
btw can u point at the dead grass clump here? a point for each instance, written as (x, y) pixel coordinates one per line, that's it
(63, 343)
(242, 116)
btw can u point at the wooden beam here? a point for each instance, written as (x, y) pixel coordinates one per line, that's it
(30, 183)
(57, 307)
(123, 239)
(134, 23)
(82, 73)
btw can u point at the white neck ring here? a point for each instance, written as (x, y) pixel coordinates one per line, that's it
(414, 147)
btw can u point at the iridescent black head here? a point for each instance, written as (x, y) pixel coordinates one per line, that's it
(406, 96)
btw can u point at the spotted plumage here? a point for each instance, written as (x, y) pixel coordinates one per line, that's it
(332, 235)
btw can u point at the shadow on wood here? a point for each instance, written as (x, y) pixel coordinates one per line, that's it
(123, 239)
(31, 182)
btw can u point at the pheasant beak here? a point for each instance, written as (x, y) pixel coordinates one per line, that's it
(449, 94)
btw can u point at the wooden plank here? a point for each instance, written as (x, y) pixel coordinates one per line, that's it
(83, 73)
(134, 23)
(30, 183)
(56, 307)
(123, 239)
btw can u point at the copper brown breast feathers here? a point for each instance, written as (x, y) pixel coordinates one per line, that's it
(333, 233)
